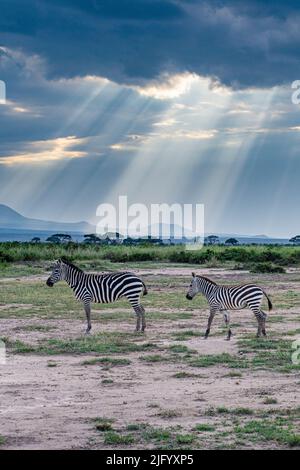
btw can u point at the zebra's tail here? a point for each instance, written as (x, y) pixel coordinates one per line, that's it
(145, 291)
(269, 301)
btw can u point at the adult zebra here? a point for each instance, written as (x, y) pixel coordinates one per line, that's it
(101, 288)
(224, 298)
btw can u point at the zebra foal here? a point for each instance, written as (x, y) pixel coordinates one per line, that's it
(101, 288)
(224, 298)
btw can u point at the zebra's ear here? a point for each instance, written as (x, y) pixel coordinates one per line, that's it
(193, 274)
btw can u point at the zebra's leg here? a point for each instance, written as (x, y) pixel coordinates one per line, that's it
(143, 318)
(140, 314)
(264, 315)
(226, 317)
(138, 317)
(259, 318)
(139, 311)
(87, 309)
(210, 319)
(136, 307)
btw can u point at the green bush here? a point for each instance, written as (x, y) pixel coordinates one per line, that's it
(6, 257)
(266, 268)
(246, 256)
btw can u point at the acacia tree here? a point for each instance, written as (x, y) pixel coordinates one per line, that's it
(92, 239)
(231, 241)
(212, 240)
(59, 238)
(295, 240)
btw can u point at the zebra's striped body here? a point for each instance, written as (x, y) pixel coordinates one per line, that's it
(101, 288)
(224, 298)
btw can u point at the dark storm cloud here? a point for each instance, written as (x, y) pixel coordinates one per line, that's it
(243, 43)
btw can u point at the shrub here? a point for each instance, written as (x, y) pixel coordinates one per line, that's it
(6, 257)
(266, 268)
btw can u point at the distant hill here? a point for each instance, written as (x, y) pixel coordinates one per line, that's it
(11, 219)
(177, 229)
(13, 226)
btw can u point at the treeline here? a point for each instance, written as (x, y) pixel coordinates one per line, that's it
(11, 252)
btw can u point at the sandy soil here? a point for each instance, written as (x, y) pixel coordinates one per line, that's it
(52, 407)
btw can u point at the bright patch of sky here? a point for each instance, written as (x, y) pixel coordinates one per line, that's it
(69, 144)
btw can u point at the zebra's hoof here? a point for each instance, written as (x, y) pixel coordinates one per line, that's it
(228, 337)
(205, 337)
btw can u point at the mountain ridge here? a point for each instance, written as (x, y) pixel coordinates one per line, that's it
(11, 219)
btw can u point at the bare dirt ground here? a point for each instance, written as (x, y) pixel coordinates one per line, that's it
(50, 401)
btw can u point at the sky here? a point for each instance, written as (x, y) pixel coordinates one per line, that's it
(164, 101)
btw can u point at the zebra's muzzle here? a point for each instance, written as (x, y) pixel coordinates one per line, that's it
(49, 282)
(189, 297)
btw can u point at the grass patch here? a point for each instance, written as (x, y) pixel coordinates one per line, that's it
(2, 440)
(240, 411)
(103, 424)
(219, 359)
(203, 427)
(181, 348)
(185, 438)
(185, 375)
(271, 354)
(270, 401)
(293, 332)
(276, 430)
(108, 361)
(168, 414)
(101, 343)
(222, 410)
(153, 358)
(185, 335)
(167, 438)
(114, 438)
(17, 346)
(157, 435)
(35, 328)
(136, 426)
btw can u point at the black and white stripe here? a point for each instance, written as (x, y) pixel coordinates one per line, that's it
(224, 298)
(101, 288)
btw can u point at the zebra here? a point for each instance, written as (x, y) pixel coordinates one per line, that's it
(101, 288)
(224, 298)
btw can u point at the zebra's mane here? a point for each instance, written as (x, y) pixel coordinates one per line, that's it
(207, 279)
(68, 263)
